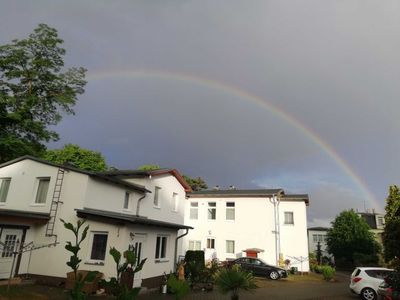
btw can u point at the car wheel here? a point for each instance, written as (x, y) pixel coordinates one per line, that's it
(368, 294)
(274, 275)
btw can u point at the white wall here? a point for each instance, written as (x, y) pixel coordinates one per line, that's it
(169, 185)
(23, 185)
(252, 228)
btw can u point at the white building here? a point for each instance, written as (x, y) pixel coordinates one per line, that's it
(318, 235)
(227, 222)
(122, 208)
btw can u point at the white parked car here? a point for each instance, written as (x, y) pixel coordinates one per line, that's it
(364, 281)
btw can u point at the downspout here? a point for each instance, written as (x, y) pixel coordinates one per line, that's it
(138, 204)
(176, 244)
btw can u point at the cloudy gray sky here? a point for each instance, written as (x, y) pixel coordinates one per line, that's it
(301, 95)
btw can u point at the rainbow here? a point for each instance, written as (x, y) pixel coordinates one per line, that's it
(234, 91)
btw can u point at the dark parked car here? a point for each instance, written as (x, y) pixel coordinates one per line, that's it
(259, 268)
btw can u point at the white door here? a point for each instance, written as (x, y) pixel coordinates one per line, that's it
(138, 245)
(9, 240)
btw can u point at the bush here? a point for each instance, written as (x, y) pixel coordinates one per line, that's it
(233, 280)
(327, 272)
(365, 260)
(177, 287)
(194, 265)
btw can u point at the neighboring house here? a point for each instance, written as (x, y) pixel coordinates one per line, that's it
(376, 222)
(318, 235)
(228, 222)
(123, 209)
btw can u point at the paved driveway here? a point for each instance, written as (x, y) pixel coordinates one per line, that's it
(306, 289)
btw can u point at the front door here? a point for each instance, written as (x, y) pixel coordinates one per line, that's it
(9, 241)
(138, 245)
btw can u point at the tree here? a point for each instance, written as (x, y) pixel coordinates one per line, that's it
(197, 184)
(35, 90)
(77, 156)
(391, 234)
(150, 167)
(350, 240)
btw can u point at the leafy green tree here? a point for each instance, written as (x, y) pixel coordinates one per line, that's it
(150, 167)
(79, 157)
(350, 237)
(35, 89)
(391, 234)
(197, 184)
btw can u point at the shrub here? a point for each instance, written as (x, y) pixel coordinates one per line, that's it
(194, 265)
(327, 272)
(233, 280)
(178, 287)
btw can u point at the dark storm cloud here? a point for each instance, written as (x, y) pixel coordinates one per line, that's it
(332, 65)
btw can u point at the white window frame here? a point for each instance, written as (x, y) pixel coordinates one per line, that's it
(194, 208)
(38, 183)
(227, 247)
(210, 243)
(156, 200)
(194, 245)
(230, 208)
(127, 201)
(162, 245)
(4, 189)
(287, 220)
(211, 206)
(90, 260)
(175, 202)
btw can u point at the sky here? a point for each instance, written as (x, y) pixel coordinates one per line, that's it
(299, 95)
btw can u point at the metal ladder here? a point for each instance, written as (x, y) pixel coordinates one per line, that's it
(55, 201)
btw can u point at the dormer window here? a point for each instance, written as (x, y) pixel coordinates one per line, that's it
(4, 187)
(126, 200)
(156, 200)
(43, 188)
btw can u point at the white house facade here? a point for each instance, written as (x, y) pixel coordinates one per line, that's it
(123, 209)
(318, 235)
(228, 222)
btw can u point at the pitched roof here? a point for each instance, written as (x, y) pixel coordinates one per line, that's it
(126, 218)
(296, 197)
(235, 193)
(318, 228)
(94, 175)
(143, 173)
(255, 193)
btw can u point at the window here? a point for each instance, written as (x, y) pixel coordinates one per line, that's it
(161, 247)
(210, 243)
(9, 244)
(175, 201)
(99, 246)
(319, 238)
(126, 200)
(230, 210)
(289, 217)
(194, 210)
(212, 210)
(380, 220)
(5, 185)
(194, 245)
(42, 190)
(157, 196)
(230, 246)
